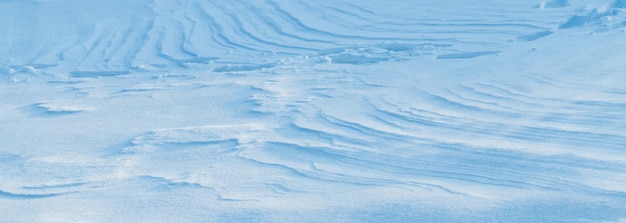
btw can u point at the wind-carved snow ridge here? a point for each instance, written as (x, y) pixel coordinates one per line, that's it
(244, 134)
(113, 38)
(59, 108)
(554, 4)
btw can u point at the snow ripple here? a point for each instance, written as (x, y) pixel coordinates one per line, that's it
(115, 38)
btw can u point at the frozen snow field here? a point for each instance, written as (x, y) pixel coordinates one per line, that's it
(312, 111)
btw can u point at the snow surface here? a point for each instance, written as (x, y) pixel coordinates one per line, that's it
(312, 111)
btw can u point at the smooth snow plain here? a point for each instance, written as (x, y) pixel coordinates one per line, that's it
(312, 111)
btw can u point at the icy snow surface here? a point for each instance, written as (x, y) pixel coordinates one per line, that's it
(312, 111)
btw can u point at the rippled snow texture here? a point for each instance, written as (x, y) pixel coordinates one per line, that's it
(303, 111)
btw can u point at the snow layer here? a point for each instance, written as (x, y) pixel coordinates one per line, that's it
(294, 111)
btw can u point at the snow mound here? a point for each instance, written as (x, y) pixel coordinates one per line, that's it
(609, 17)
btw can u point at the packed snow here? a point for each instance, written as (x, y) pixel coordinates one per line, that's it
(312, 111)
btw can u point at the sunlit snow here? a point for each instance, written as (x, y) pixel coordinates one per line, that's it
(312, 111)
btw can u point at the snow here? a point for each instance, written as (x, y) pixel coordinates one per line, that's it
(295, 111)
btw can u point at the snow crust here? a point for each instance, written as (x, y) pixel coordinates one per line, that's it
(303, 111)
